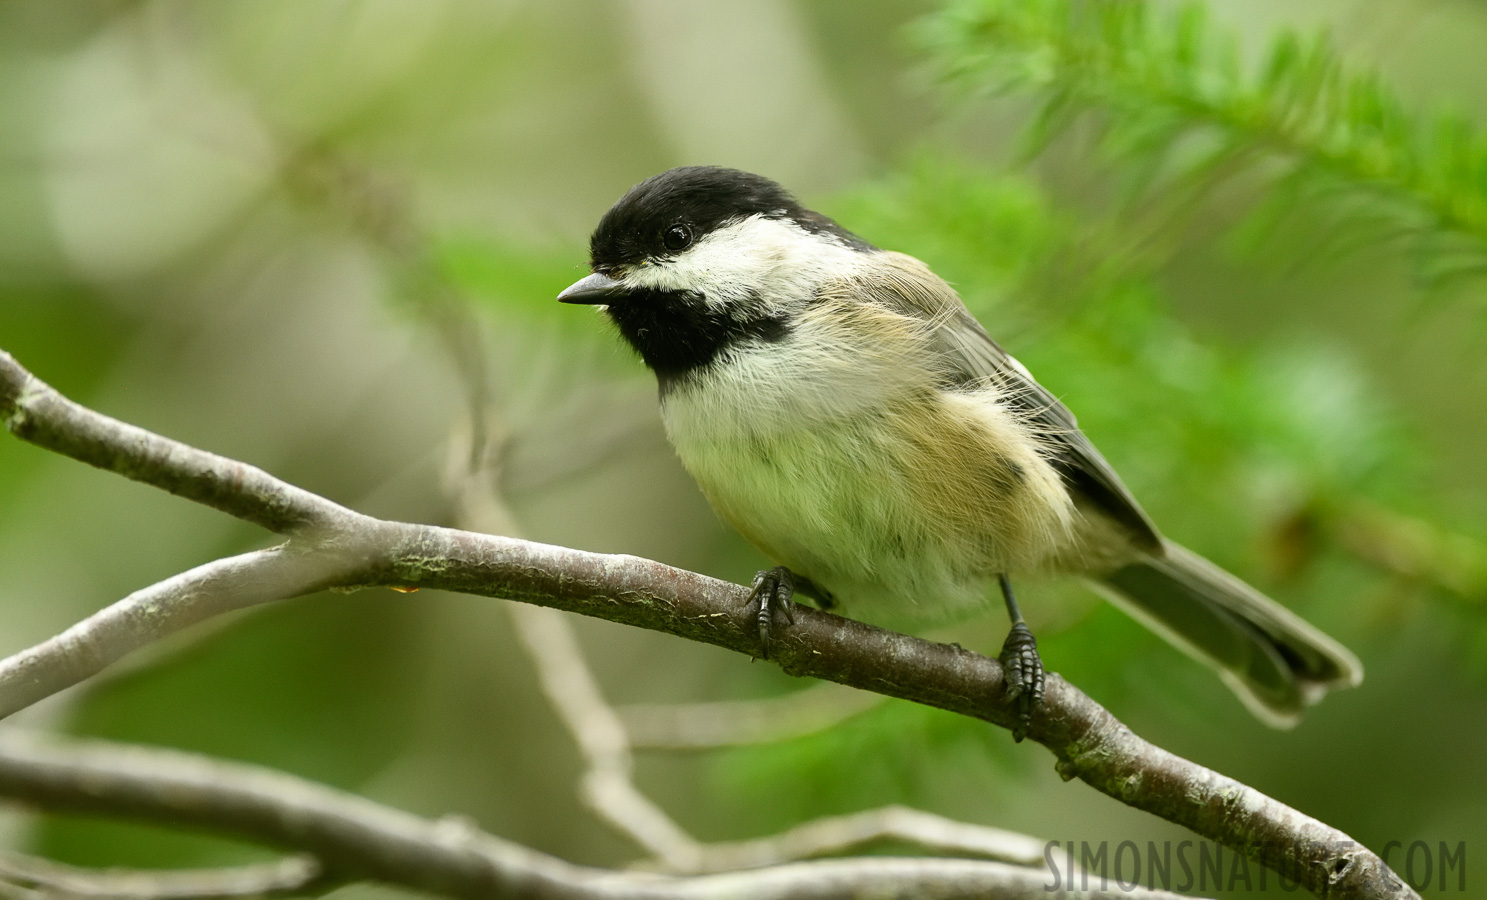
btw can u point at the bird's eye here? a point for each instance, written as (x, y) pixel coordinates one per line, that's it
(677, 237)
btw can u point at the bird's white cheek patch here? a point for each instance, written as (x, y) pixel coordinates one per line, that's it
(757, 260)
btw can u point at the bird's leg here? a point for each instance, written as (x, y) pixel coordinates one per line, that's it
(808, 588)
(1021, 665)
(774, 589)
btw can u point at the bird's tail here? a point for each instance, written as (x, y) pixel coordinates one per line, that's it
(1275, 661)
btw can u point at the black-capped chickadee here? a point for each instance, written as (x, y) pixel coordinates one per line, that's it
(842, 409)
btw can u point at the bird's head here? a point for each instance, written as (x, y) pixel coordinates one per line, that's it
(695, 260)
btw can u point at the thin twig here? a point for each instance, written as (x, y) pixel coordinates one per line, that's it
(840, 835)
(290, 876)
(610, 790)
(608, 785)
(742, 723)
(355, 838)
(34, 412)
(351, 837)
(162, 609)
(1088, 741)
(1414, 549)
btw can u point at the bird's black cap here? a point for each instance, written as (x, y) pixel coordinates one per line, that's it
(702, 198)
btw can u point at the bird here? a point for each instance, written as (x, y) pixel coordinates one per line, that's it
(842, 409)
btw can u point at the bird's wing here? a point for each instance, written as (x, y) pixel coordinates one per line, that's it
(905, 285)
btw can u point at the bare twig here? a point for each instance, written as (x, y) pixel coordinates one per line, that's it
(10, 891)
(1415, 549)
(608, 787)
(837, 835)
(611, 792)
(739, 723)
(355, 838)
(161, 609)
(1089, 742)
(34, 412)
(291, 876)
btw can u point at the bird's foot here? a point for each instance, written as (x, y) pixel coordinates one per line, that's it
(774, 590)
(1023, 670)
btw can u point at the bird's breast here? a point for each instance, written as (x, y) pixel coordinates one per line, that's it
(883, 490)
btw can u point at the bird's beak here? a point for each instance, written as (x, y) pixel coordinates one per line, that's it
(596, 288)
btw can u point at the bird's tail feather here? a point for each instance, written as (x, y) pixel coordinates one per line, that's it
(1274, 660)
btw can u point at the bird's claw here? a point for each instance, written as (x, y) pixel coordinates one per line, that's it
(773, 591)
(1023, 670)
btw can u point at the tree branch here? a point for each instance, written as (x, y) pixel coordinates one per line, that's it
(161, 609)
(35, 412)
(742, 723)
(1088, 741)
(837, 835)
(354, 838)
(608, 788)
(292, 876)
(610, 791)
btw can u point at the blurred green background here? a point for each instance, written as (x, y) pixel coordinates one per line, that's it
(287, 231)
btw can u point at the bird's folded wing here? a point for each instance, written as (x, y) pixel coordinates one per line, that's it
(973, 359)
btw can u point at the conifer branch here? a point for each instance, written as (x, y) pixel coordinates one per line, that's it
(1173, 98)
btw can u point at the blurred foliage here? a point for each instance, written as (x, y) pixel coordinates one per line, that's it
(458, 151)
(1176, 106)
(514, 281)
